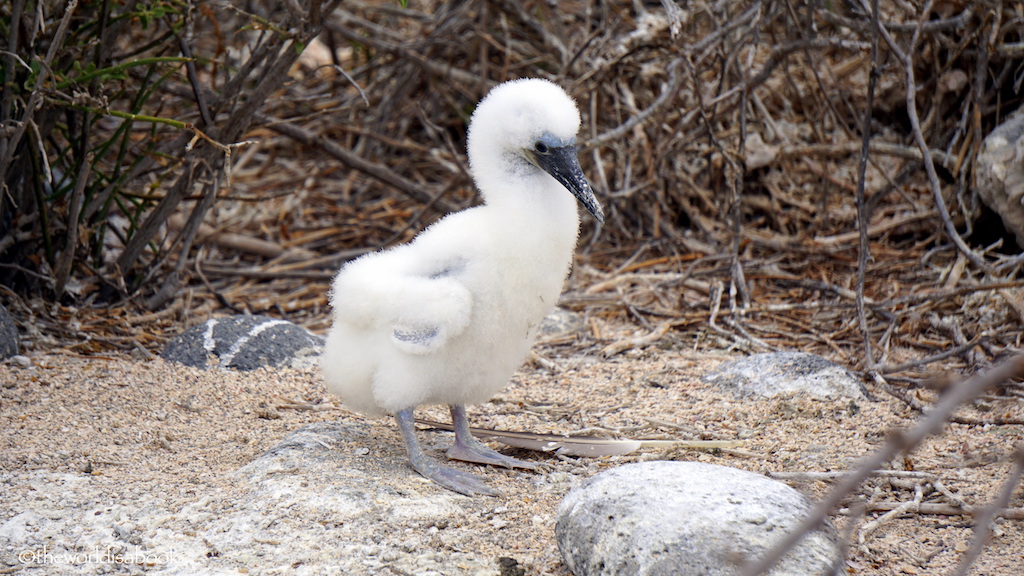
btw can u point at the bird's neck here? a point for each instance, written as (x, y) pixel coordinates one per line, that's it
(539, 214)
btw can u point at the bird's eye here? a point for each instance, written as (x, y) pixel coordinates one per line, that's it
(540, 147)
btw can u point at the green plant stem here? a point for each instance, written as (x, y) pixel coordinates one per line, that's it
(133, 117)
(121, 68)
(37, 94)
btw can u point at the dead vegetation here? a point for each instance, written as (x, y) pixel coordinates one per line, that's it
(769, 180)
(725, 139)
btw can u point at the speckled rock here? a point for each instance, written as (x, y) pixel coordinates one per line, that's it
(8, 335)
(769, 375)
(687, 519)
(245, 343)
(560, 322)
(1000, 174)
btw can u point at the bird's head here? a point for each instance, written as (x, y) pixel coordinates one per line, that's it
(523, 127)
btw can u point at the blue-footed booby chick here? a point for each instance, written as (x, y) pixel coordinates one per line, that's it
(448, 317)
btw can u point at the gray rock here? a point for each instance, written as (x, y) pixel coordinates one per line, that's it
(1000, 174)
(769, 375)
(560, 322)
(245, 343)
(370, 499)
(322, 451)
(687, 519)
(311, 504)
(8, 335)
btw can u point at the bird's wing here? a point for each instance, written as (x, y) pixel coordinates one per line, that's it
(422, 306)
(418, 340)
(440, 308)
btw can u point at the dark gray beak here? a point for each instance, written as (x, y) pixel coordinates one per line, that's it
(563, 165)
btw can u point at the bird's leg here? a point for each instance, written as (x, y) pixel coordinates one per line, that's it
(450, 478)
(470, 449)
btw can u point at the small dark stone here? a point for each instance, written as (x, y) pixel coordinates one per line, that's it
(510, 567)
(8, 335)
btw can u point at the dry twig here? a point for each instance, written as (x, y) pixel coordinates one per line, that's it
(898, 442)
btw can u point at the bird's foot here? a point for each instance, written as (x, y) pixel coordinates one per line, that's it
(452, 479)
(474, 451)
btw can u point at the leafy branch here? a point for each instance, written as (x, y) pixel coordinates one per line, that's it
(70, 178)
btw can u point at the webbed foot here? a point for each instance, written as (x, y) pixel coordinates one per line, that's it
(469, 449)
(450, 478)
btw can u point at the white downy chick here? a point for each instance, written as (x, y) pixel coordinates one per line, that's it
(448, 317)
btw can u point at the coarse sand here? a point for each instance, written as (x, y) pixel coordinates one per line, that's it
(118, 432)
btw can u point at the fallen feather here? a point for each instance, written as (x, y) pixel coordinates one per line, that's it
(582, 445)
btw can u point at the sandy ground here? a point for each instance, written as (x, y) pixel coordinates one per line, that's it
(116, 433)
